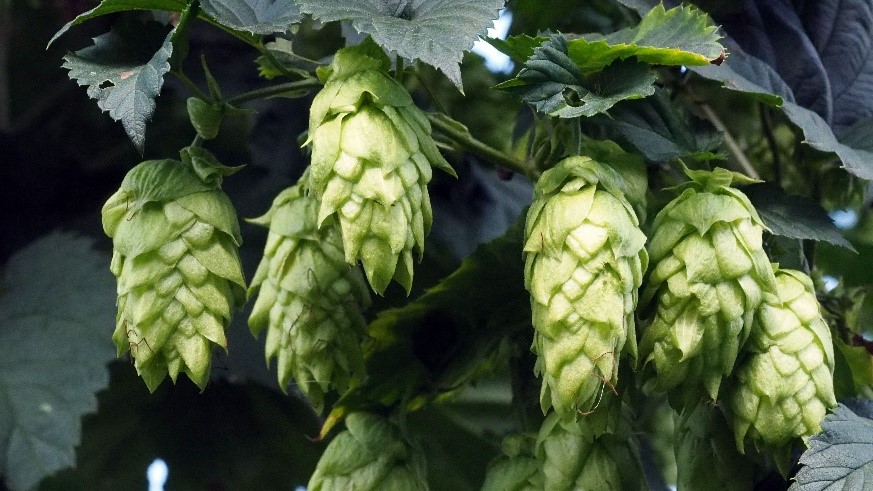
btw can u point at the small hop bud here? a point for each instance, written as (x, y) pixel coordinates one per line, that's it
(373, 453)
(309, 299)
(372, 155)
(175, 241)
(708, 277)
(785, 386)
(584, 262)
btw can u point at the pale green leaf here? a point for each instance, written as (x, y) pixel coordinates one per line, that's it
(124, 71)
(436, 32)
(56, 314)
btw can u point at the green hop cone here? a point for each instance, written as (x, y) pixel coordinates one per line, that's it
(372, 155)
(517, 469)
(709, 274)
(585, 260)
(785, 386)
(572, 456)
(309, 299)
(175, 238)
(371, 454)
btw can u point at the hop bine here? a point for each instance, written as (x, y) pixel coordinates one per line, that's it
(372, 155)
(785, 385)
(309, 299)
(175, 239)
(709, 274)
(585, 260)
(371, 454)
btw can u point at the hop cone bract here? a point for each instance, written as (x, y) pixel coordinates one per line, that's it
(371, 161)
(371, 454)
(175, 240)
(785, 386)
(585, 260)
(709, 275)
(309, 299)
(517, 469)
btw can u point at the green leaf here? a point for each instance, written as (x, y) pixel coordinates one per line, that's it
(435, 32)
(56, 311)
(205, 117)
(841, 456)
(254, 16)
(662, 131)
(794, 216)
(283, 59)
(519, 47)
(124, 71)
(112, 6)
(679, 36)
(553, 84)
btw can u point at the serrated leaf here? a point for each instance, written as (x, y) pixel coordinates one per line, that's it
(519, 47)
(436, 32)
(661, 131)
(56, 313)
(124, 71)
(554, 85)
(794, 216)
(282, 51)
(841, 456)
(112, 6)
(254, 16)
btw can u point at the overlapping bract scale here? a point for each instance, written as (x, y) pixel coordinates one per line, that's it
(709, 275)
(309, 299)
(179, 275)
(585, 260)
(372, 155)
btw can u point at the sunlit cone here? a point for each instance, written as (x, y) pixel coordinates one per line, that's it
(372, 155)
(309, 299)
(785, 385)
(708, 276)
(373, 453)
(517, 469)
(584, 261)
(175, 240)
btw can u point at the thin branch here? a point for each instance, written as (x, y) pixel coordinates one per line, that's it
(732, 145)
(192, 87)
(274, 90)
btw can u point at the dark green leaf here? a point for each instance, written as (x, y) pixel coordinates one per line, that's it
(112, 6)
(794, 216)
(554, 85)
(205, 117)
(519, 48)
(661, 131)
(56, 313)
(435, 32)
(841, 456)
(124, 72)
(255, 16)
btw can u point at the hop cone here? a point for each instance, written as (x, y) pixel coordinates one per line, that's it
(517, 469)
(371, 454)
(309, 299)
(572, 456)
(585, 260)
(709, 275)
(371, 161)
(175, 240)
(785, 386)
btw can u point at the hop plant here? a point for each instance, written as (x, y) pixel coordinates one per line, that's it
(175, 237)
(573, 456)
(710, 272)
(785, 386)
(372, 453)
(517, 469)
(372, 155)
(309, 299)
(585, 260)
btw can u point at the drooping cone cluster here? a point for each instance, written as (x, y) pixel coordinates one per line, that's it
(572, 456)
(371, 454)
(309, 299)
(372, 155)
(785, 386)
(709, 275)
(175, 240)
(584, 261)
(517, 469)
